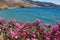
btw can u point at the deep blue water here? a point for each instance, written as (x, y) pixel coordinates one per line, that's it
(47, 15)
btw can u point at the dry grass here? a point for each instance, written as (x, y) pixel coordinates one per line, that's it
(1, 36)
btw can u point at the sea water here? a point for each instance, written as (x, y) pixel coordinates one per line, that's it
(46, 15)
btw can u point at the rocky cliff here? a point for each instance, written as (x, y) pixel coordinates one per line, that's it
(16, 3)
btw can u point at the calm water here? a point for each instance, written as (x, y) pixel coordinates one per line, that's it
(47, 15)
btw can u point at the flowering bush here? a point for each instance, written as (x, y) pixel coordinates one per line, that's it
(14, 30)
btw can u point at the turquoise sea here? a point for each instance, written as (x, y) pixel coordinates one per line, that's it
(47, 15)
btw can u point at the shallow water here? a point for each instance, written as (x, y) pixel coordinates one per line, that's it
(47, 15)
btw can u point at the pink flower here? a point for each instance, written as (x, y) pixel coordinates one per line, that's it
(38, 21)
(40, 25)
(41, 29)
(11, 31)
(13, 21)
(27, 38)
(21, 23)
(27, 23)
(57, 38)
(33, 23)
(2, 20)
(4, 28)
(8, 39)
(47, 38)
(47, 34)
(54, 28)
(24, 33)
(34, 39)
(58, 23)
(14, 35)
(19, 28)
(32, 30)
(57, 34)
(47, 25)
(17, 25)
(33, 35)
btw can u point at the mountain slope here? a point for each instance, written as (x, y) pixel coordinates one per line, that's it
(26, 4)
(21, 3)
(45, 4)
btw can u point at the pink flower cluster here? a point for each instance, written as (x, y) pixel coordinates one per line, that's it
(14, 30)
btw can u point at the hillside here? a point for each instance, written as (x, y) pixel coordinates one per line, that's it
(18, 3)
(26, 3)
